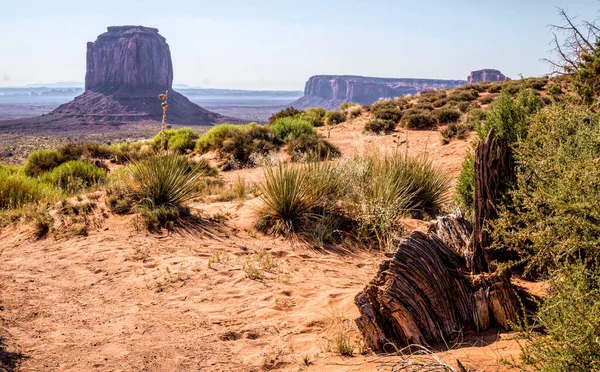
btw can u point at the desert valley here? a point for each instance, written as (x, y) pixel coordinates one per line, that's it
(361, 224)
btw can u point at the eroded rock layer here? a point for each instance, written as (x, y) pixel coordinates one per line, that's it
(329, 91)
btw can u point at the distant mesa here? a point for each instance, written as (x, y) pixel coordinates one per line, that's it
(329, 91)
(486, 75)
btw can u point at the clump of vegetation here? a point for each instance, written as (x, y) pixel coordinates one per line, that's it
(75, 175)
(564, 335)
(350, 109)
(43, 160)
(379, 126)
(161, 186)
(446, 115)
(455, 130)
(390, 109)
(241, 148)
(315, 116)
(18, 190)
(417, 119)
(554, 205)
(334, 117)
(81, 150)
(290, 128)
(311, 147)
(386, 189)
(289, 112)
(179, 140)
(213, 138)
(465, 185)
(462, 94)
(294, 196)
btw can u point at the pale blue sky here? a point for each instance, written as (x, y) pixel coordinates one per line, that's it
(279, 44)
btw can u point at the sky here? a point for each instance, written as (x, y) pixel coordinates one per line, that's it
(279, 44)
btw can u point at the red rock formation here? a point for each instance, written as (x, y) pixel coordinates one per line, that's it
(132, 57)
(127, 68)
(485, 75)
(329, 91)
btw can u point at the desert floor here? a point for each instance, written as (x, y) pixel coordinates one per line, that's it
(121, 299)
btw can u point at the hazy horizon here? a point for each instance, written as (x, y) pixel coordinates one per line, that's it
(279, 45)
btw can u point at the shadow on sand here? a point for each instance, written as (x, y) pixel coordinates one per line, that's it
(9, 361)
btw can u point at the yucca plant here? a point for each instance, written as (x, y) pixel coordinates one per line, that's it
(293, 196)
(162, 182)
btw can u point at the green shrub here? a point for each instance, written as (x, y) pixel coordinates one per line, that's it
(289, 112)
(379, 126)
(423, 106)
(431, 95)
(564, 333)
(18, 190)
(79, 150)
(43, 160)
(179, 140)
(440, 102)
(465, 186)
(390, 110)
(125, 152)
(536, 83)
(240, 149)
(288, 128)
(353, 111)
(554, 90)
(464, 106)
(334, 117)
(496, 87)
(487, 99)
(463, 95)
(315, 116)
(417, 119)
(552, 213)
(74, 175)
(311, 147)
(446, 115)
(214, 137)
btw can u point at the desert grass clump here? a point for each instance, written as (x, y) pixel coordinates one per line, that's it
(162, 186)
(179, 140)
(311, 147)
(294, 196)
(85, 150)
(459, 95)
(43, 160)
(385, 189)
(75, 175)
(242, 147)
(18, 190)
(379, 126)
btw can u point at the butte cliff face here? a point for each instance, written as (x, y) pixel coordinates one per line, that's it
(329, 91)
(486, 75)
(127, 68)
(129, 57)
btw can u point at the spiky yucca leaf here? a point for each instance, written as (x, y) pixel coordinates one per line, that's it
(163, 180)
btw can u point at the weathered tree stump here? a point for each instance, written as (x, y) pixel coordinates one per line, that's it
(422, 296)
(494, 171)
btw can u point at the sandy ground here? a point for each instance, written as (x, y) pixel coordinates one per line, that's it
(121, 299)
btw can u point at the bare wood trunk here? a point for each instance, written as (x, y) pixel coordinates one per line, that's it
(494, 171)
(421, 295)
